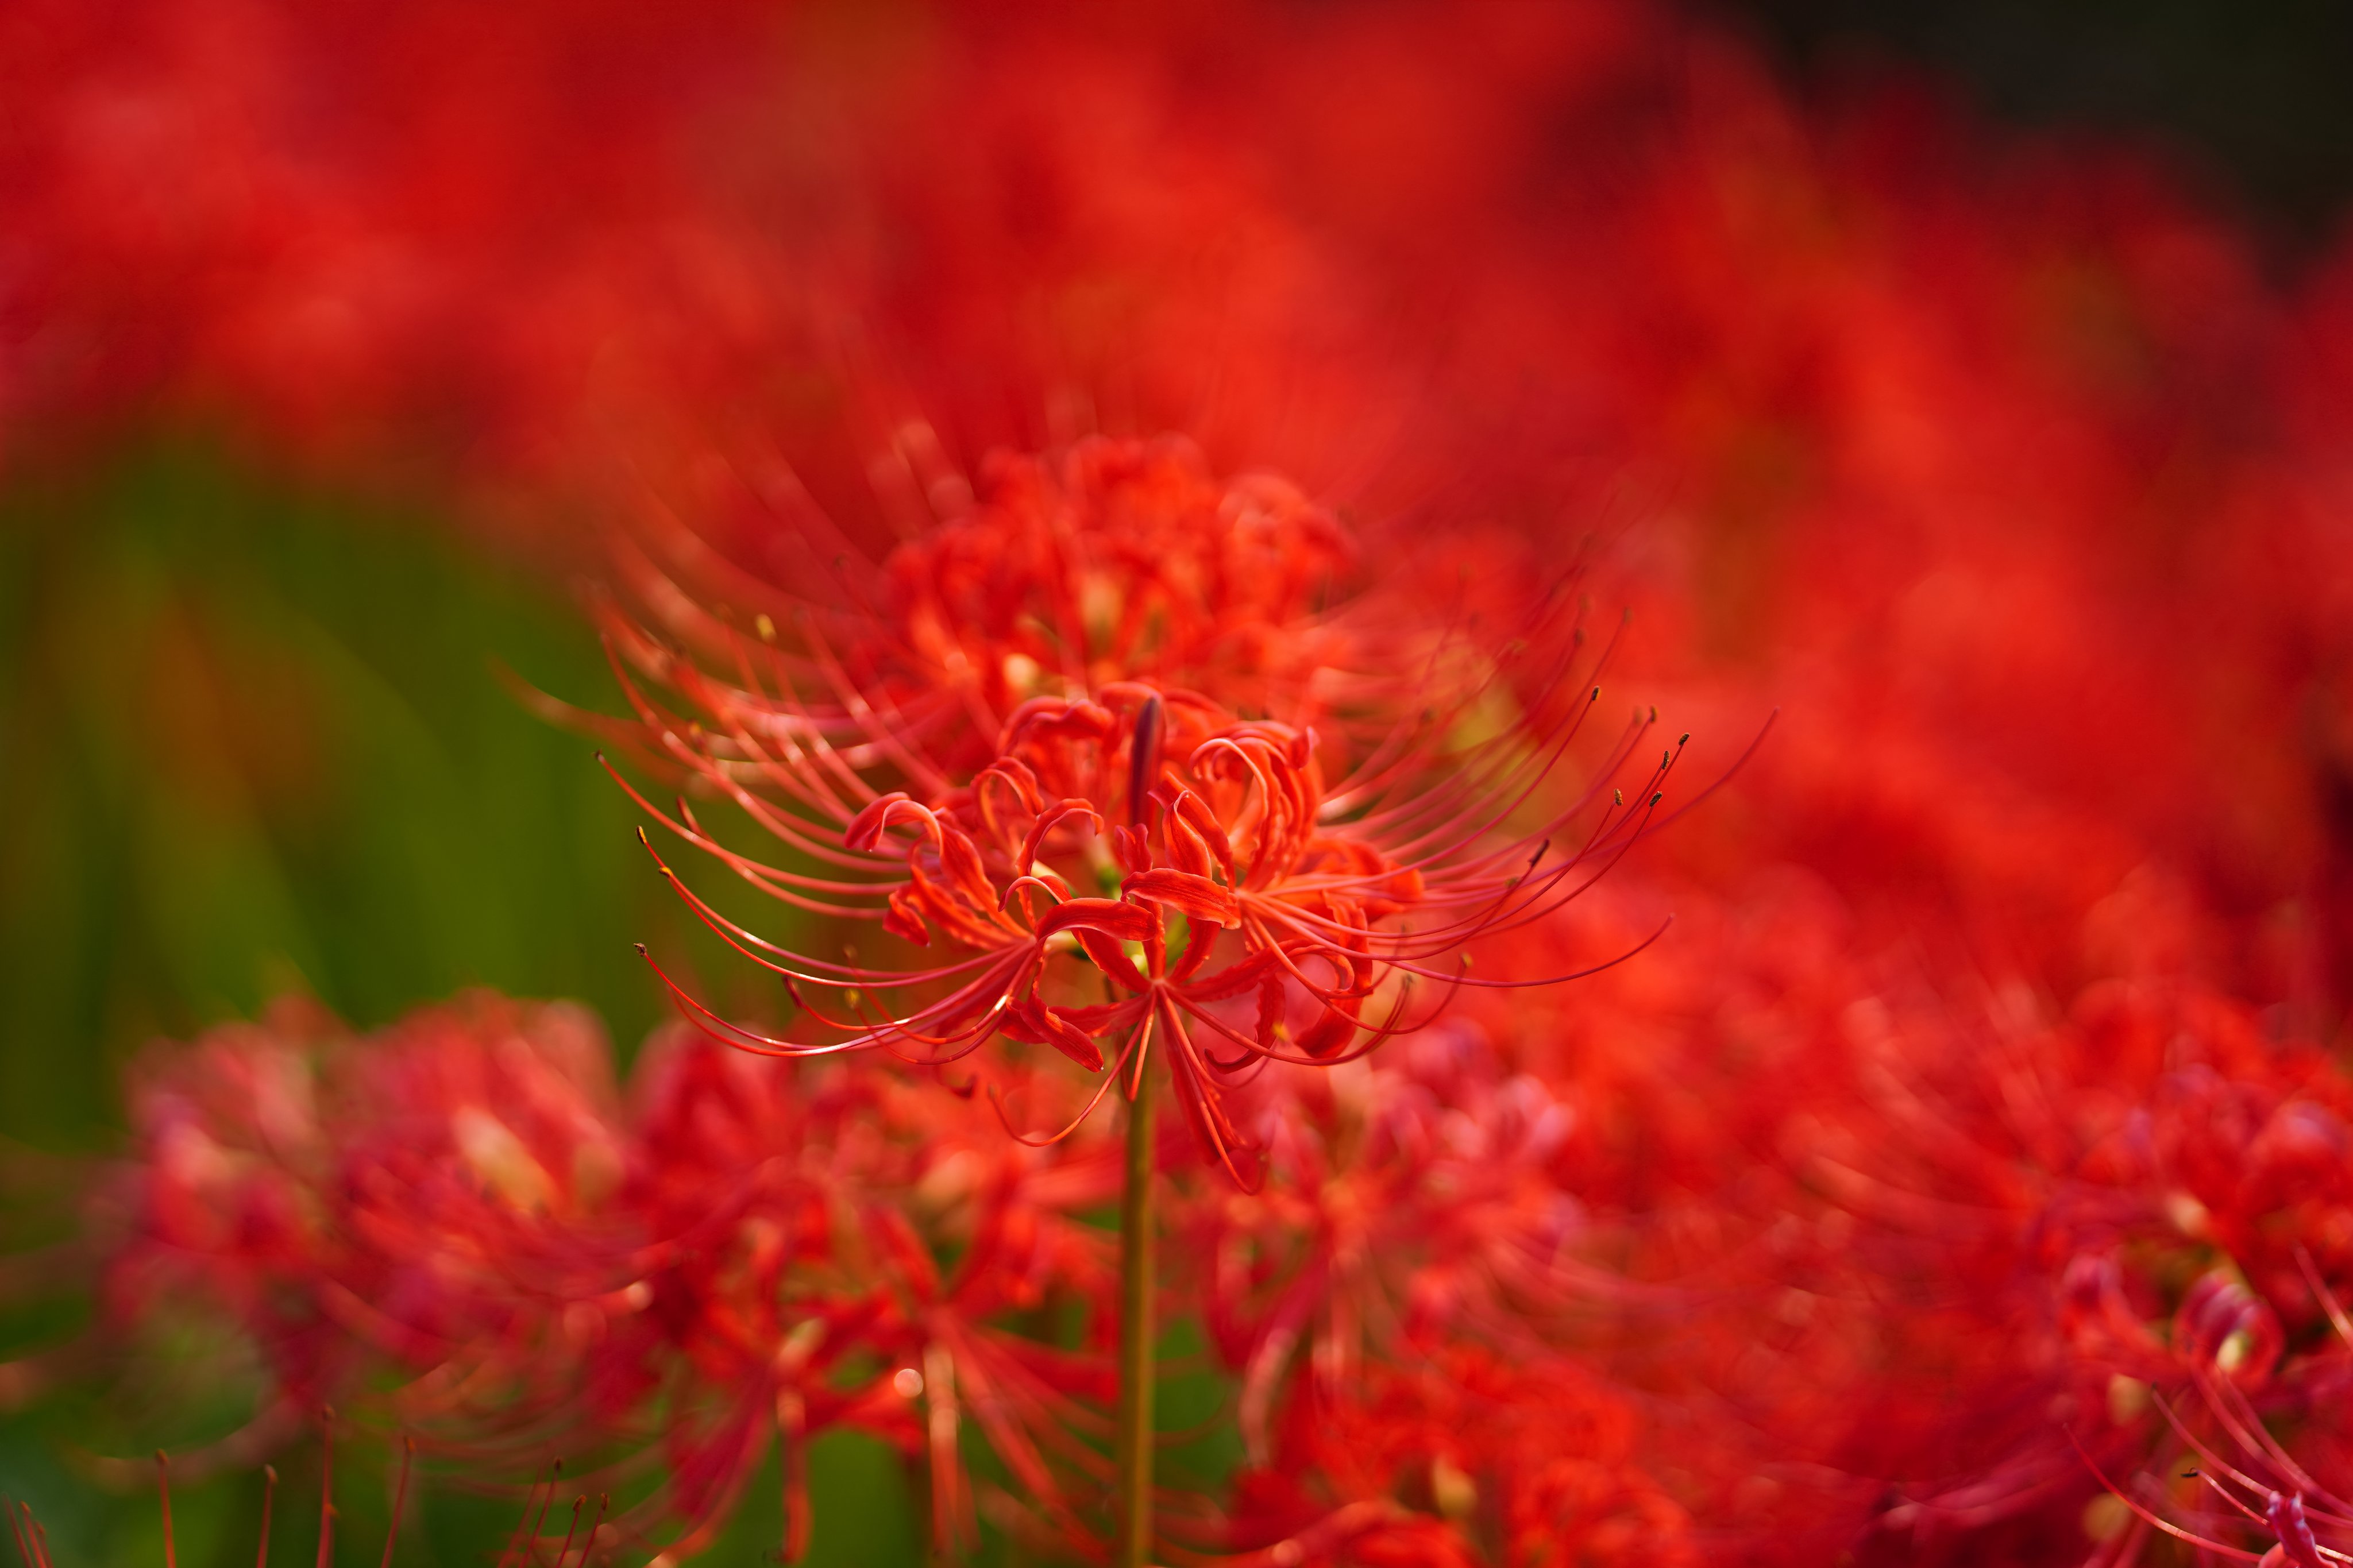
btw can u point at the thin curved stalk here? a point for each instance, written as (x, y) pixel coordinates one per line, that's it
(1134, 1442)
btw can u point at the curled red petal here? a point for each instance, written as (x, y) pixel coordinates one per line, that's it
(1049, 1025)
(866, 829)
(1199, 897)
(1115, 918)
(904, 918)
(1132, 848)
(1329, 1034)
(1047, 820)
(1112, 959)
(1051, 718)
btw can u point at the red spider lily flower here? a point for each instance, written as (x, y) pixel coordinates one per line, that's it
(1257, 905)
(404, 1203)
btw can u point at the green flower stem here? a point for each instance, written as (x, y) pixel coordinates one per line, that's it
(1135, 1441)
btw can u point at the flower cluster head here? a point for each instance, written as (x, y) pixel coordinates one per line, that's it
(1105, 770)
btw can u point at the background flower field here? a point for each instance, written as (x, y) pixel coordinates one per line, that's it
(2007, 465)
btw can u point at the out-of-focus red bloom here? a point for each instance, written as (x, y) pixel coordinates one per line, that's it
(407, 1202)
(1992, 1254)
(2155, 1211)
(1055, 681)
(1413, 1308)
(1410, 1204)
(746, 1253)
(1468, 1457)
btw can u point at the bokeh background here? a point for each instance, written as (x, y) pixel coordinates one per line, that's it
(254, 736)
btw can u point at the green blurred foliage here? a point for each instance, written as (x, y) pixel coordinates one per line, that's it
(253, 743)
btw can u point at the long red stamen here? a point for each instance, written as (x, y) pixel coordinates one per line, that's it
(570, 1531)
(16, 1525)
